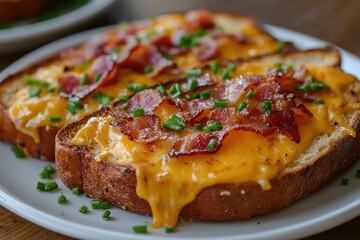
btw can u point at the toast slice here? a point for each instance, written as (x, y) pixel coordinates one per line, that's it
(223, 150)
(37, 102)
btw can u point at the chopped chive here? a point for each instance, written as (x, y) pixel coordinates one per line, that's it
(106, 215)
(40, 186)
(50, 185)
(169, 56)
(197, 126)
(133, 87)
(318, 86)
(123, 96)
(18, 152)
(282, 45)
(82, 65)
(214, 66)
(345, 181)
(140, 229)
(242, 105)
(312, 79)
(32, 81)
(138, 112)
(250, 94)
(193, 72)
(174, 123)
(161, 89)
(51, 89)
(148, 69)
(231, 66)
(97, 77)
(34, 92)
(304, 88)
(206, 94)
(84, 79)
(319, 101)
(115, 53)
(169, 229)
(47, 171)
(102, 98)
(175, 88)
(266, 106)
(187, 97)
(125, 105)
(283, 68)
(61, 199)
(192, 85)
(83, 209)
(212, 144)
(358, 173)
(55, 118)
(219, 103)
(76, 191)
(212, 126)
(196, 95)
(225, 74)
(74, 105)
(105, 205)
(191, 40)
(142, 87)
(176, 95)
(123, 24)
(96, 204)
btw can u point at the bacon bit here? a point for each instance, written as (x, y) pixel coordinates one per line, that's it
(284, 121)
(301, 111)
(148, 100)
(200, 18)
(145, 129)
(207, 49)
(196, 143)
(266, 91)
(68, 83)
(189, 110)
(102, 65)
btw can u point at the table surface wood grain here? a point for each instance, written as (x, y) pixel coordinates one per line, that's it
(334, 21)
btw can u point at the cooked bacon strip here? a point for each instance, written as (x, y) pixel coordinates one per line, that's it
(207, 49)
(284, 121)
(145, 129)
(104, 66)
(189, 110)
(148, 100)
(68, 83)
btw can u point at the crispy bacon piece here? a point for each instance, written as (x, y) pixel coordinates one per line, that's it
(189, 110)
(145, 129)
(284, 121)
(200, 18)
(207, 49)
(68, 83)
(104, 66)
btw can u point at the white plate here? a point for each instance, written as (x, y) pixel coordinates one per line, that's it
(324, 209)
(30, 35)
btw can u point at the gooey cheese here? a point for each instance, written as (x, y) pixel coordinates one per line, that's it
(29, 114)
(170, 183)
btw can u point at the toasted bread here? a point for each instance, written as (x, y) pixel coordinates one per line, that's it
(25, 121)
(110, 162)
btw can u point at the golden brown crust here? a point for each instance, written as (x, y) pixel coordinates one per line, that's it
(222, 202)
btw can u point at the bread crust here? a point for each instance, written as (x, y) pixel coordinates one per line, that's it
(221, 202)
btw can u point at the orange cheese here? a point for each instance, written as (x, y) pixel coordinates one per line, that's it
(170, 183)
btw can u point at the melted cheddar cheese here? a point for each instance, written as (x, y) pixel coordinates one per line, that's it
(29, 114)
(170, 183)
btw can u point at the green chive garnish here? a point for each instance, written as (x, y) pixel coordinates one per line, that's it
(84, 79)
(106, 215)
(97, 77)
(169, 56)
(123, 96)
(192, 85)
(18, 152)
(161, 89)
(169, 229)
(55, 118)
(282, 45)
(138, 112)
(206, 94)
(345, 181)
(105, 205)
(212, 126)
(318, 86)
(176, 95)
(225, 74)
(50, 185)
(40, 186)
(96, 204)
(283, 68)
(220, 103)
(174, 123)
(266, 106)
(74, 105)
(197, 126)
(83, 209)
(319, 101)
(133, 87)
(76, 191)
(125, 105)
(191, 40)
(102, 98)
(123, 24)
(61, 199)
(212, 144)
(304, 88)
(34, 92)
(140, 229)
(193, 72)
(47, 171)
(250, 94)
(82, 65)
(175, 88)
(148, 69)
(214, 66)
(242, 105)
(231, 66)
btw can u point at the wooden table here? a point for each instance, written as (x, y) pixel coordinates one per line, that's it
(335, 21)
